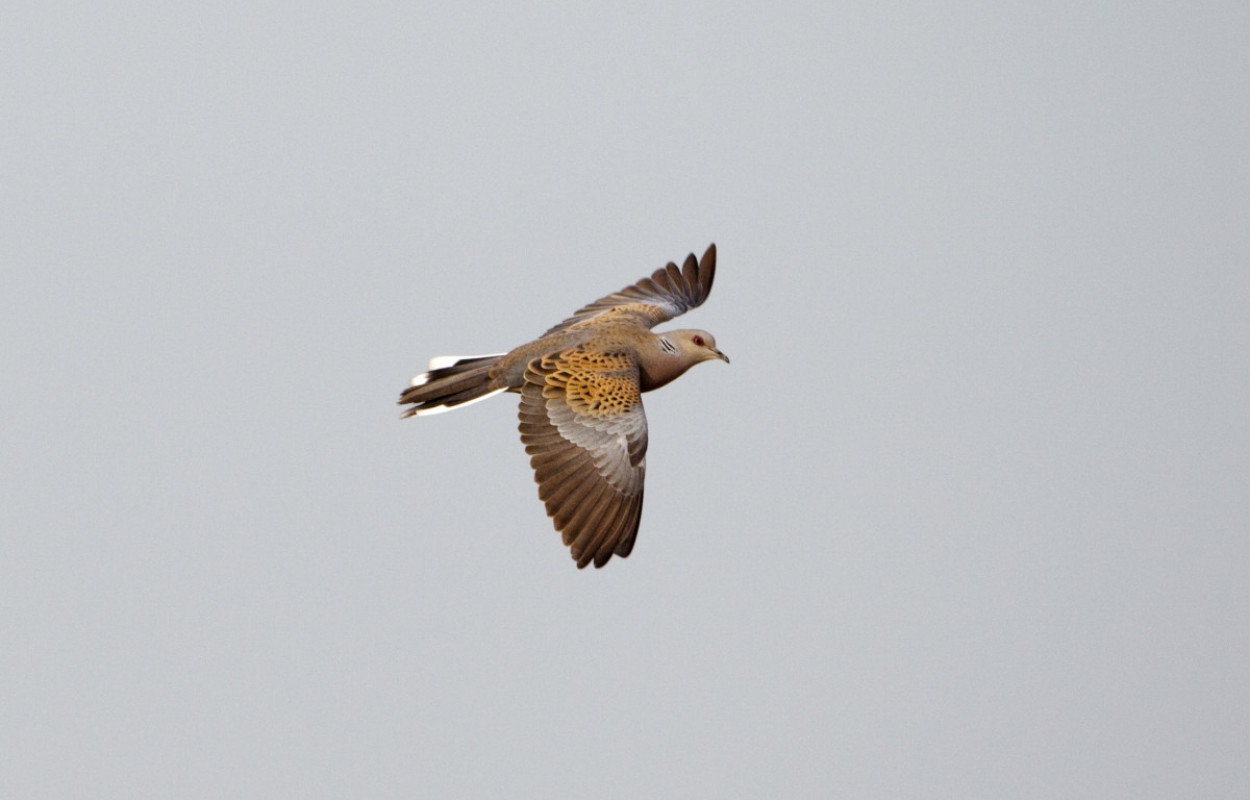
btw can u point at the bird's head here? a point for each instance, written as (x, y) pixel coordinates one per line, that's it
(697, 346)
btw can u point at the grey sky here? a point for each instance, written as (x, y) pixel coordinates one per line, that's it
(966, 517)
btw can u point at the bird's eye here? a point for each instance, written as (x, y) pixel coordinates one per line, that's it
(698, 341)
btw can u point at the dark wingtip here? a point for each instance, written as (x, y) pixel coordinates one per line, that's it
(707, 269)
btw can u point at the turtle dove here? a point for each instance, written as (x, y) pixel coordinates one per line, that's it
(581, 386)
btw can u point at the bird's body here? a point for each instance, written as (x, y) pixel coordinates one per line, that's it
(581, 412)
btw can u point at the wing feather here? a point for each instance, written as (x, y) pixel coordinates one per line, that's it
(588, 458)
(667, 293)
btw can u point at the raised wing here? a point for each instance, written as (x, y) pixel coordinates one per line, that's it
(583, 426)
(668, 293)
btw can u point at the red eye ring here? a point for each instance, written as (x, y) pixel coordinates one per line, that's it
(698, 341)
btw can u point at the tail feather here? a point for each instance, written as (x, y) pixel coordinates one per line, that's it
(452, 381)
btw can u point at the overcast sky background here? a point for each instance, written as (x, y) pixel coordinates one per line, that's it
(967, 516)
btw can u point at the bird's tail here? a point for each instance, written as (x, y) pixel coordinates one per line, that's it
(452, 381)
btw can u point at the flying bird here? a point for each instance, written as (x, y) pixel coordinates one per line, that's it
(581, 386)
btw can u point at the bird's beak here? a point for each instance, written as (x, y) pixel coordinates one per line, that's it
(722, 356)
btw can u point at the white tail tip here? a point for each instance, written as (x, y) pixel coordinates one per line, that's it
(425, 412)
